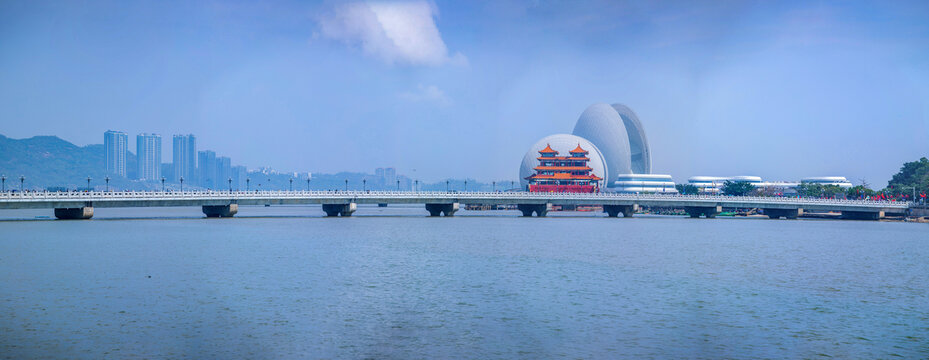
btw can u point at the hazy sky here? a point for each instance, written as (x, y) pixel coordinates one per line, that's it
(777, 89)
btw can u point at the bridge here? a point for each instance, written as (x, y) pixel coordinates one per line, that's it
(80, 205)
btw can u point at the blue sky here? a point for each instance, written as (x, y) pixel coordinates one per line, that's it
(777, 89)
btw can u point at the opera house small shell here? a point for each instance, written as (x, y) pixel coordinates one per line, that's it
(619, 135)
(562, 143)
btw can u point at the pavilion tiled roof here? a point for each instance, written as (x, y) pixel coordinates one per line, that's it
(579, 150)
(547, 150)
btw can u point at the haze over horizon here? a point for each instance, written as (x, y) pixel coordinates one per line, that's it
(781, 90)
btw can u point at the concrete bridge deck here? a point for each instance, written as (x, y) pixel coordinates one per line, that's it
(71, 205)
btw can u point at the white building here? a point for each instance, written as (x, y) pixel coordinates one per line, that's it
(644, 183)
(713, 184)
(839, 181)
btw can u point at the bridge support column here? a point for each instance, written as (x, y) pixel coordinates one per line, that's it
(442, 209)
(615, 210)
(540, 210)
(783, 213)
(81, 213)
(862, 215)
(333, 210)
(708, 211)
(212, 211)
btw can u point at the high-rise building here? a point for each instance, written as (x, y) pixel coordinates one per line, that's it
(148, 152)
(185, 157)
(223, 172)
(239, 174)
(390, 176)
(115, 146)
(206, 171)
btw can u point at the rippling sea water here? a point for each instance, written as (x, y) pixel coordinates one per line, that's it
(284, 282)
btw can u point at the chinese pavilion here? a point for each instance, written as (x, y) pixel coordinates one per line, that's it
(563, 173)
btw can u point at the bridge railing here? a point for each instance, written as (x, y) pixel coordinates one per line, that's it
(472, 195)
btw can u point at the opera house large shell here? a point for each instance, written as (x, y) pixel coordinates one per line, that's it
(562, 143)
(619, 135)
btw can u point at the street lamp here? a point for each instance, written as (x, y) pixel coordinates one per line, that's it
(494, 184)
(307, 183)
(291, 184)
(346, 184)
(22, 180)
(88, 183)
(182, 184)
(3, 178)
(446, 185)
(512, 184)
(466, 185)
(162, 183)
(415, 185)
(398, 185)
(247, 180)
(107, 180)
(230, 184)
(364, 184)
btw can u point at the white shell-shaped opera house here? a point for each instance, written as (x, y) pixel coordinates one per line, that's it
(562, 143)
(614, 136)
(617, 131)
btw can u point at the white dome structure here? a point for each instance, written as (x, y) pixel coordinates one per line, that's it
(562, 143)
(618, 133)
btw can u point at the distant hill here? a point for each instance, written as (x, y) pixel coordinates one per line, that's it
(50, 161)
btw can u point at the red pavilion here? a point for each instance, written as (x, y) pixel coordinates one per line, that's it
(563, 173)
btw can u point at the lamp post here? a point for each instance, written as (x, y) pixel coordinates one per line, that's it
(512, 184)
(22, 181)
(247, 180)
(398, 185)
(162, 183)
(364, 184)
(466, 185)
(446, 185)
(291, 184)
(107, 180)
(415, 185)
(494, 184)
(88, 183)
(346, 184)
(182, 184)
(307, 183)
(3, 179)
(230, 184)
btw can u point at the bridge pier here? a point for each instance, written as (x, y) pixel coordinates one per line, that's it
(212, 211)
(540, 210)
(708, 211)
(783, 213)
(333, 210)
(442, 209)
(614, 210)
(862, 215)
(81, 213)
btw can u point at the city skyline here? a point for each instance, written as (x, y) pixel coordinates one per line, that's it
(741, 89)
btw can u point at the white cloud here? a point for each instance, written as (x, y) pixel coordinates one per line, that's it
(426, 93)
(396, 32)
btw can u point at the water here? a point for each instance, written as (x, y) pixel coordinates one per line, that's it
(283, 282)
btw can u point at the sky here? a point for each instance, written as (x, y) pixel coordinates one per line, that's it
(450, 89)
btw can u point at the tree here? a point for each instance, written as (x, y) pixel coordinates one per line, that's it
(859, 192)
(810, 190)
(737, 188)
(913, 175)
(686, 189)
